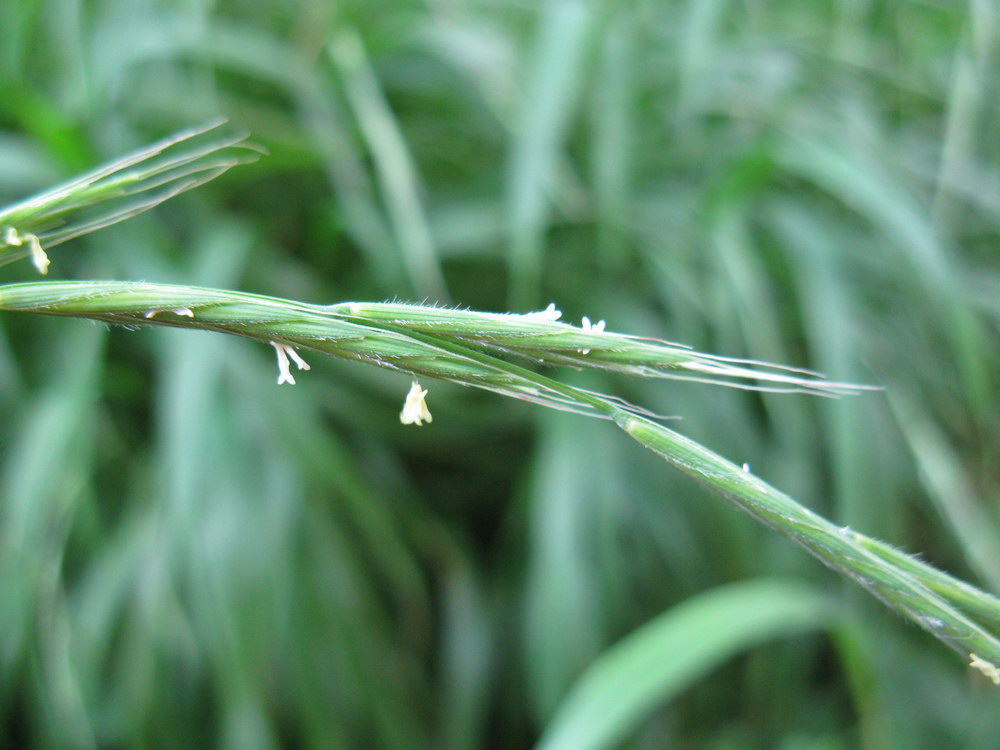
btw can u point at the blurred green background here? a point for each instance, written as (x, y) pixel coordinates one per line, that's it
(193, 557)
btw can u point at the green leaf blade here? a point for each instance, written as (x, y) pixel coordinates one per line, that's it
(662, 658)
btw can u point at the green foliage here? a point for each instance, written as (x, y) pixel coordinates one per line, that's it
(649, 666)
(191, 556)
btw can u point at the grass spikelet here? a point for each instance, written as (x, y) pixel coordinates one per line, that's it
(117, 191)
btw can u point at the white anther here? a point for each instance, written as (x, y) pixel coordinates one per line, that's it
(37, 254)
(283, 352)
(597, 327)
(415, 407)
(549, 313)
(185, 312)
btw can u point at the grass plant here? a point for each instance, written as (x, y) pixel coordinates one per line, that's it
(193, 556)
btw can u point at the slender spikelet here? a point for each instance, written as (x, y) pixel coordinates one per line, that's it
(416, 339)
(287, 326)
(117, 191)
(540, 337)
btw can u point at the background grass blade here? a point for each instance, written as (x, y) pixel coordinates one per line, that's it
(648, 667)
(396, 171)
(553, 79)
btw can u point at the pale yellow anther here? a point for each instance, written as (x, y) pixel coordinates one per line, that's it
(38, 257)
(415, 408)
(987, 668)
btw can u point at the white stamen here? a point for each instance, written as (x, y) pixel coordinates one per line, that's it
(746, 468)
(597, 327)
(987, 668)
(415, 407)
(549, 313)
(37, 254)
(185, 312)
(299, 362)
(283, 352)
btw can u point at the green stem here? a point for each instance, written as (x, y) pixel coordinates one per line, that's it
(841, 548)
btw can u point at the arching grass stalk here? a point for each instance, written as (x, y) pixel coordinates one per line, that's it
(469, 348)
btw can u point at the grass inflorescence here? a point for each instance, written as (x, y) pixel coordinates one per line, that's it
(468, 347)
(366, 331)
(117, 191)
